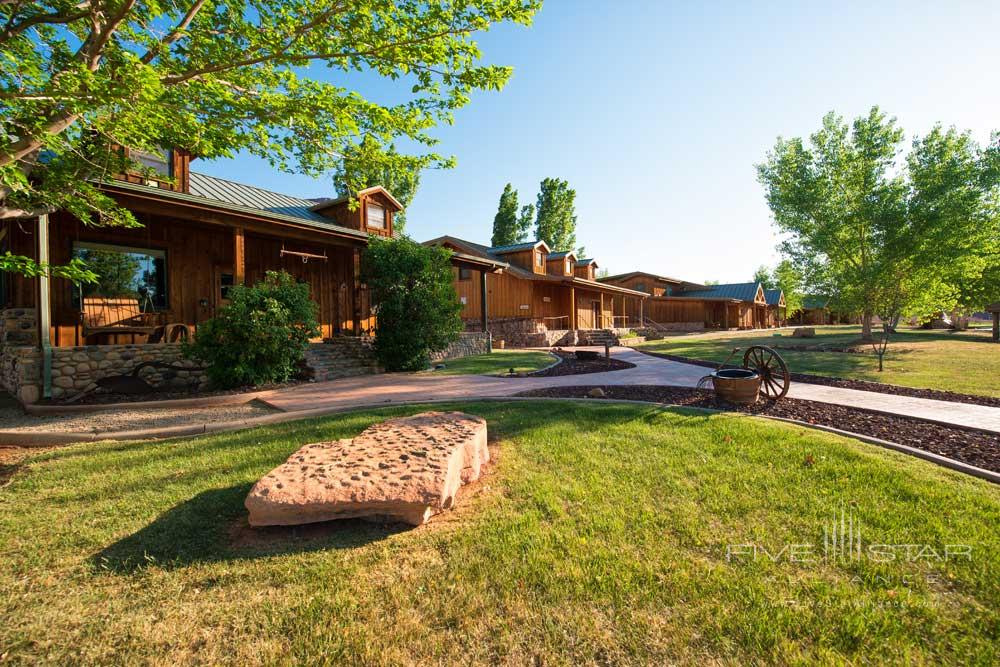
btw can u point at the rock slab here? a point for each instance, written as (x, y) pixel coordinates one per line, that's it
(405, 469)
(804, 332)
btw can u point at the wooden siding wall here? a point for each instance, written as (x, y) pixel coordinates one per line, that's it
(650, 285)
(665, 310)
(585, 300)
(195, 256)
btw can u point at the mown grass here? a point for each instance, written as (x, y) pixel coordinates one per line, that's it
(600, 538)
(965, 362)
(497, 362)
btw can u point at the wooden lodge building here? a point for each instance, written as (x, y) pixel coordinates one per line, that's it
(539, 297)
(681, 305)
(199, 236)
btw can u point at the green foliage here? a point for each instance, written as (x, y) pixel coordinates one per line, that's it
(885, 237)
(415, 303)
(217, 78)
(261, 336)
(788, 279)
(368, 164)
(763, 276)
(556, 221)
(115, 272)
(508, 227)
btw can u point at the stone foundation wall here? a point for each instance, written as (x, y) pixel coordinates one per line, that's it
(21, 372)
(18, 327)
(554, 338)
(76, 368)
(469, 343)
(340, 357)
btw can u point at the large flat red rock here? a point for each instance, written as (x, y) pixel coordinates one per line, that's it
(405, 469)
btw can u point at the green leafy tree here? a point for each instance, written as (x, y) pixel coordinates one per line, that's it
(525, 221)
(556, 214)
(788, 279)
(506, 230)
(78, 79)
(763, 276)
(885, 237)
(368, 164)
(261, 336)
(415, 303)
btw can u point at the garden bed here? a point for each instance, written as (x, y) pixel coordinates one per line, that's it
(108, 398)
(969, 446)
(862, 385)
(570, 365)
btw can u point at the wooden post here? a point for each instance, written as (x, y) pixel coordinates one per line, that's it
(725, 316)
(600, 323)
(239, 256)
(996, 327)
(45, 307)
(572, 308)
(356, 297)
(642, 316)
(483, 302)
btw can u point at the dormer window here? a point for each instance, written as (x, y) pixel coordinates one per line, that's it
(376, 217)
(539, 259)
(159, 163)
(569, 269)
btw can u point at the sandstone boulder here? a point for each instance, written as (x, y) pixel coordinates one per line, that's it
(405, 469)
(804, 332)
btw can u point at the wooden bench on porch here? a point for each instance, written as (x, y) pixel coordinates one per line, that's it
(123, 315)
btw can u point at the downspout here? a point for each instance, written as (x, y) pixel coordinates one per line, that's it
(44, 306)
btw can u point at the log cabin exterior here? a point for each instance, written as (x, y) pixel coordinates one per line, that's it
(199, 236)
(675, 304)
(540, 292)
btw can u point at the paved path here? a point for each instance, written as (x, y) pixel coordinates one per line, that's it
(376, 390)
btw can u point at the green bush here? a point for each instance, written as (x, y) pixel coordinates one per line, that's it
(415, 303)
(261, 336)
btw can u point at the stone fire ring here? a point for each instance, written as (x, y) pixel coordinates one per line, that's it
(404, 469)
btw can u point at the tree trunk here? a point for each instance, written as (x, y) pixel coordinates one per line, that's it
(866, 325)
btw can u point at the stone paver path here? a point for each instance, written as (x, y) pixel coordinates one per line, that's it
(375, 390)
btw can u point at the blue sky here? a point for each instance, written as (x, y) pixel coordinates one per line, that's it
(656, 112)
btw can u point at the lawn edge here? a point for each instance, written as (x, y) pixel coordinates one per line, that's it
(49, 439)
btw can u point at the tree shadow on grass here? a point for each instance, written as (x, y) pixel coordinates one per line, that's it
(212, 526)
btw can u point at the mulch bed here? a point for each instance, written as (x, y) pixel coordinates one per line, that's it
(976, 448)
(570, 365)
(863, 385)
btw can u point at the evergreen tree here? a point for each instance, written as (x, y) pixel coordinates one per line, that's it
(506, 225)
(556, 221)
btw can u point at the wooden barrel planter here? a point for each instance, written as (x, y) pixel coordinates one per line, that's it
(736, 385)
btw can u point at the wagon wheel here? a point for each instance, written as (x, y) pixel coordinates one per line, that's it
(774, 376)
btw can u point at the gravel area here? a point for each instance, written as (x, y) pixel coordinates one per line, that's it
(976, 448)
(570, 365)
(125, 419)
(863, 385)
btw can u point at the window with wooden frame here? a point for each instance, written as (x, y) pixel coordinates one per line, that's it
(539, 259)
(160, 163)
(375, 216)
(464, 273)
(569, 268)
(125, 272)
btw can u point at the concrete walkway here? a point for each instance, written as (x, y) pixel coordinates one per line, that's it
(377, 390)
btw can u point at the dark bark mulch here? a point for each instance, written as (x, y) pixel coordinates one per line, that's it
(863, 385)
(976, 448)
(100, 398)
(570, 365)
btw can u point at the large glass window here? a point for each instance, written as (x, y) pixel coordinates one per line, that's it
(160, 163)
(123, 272)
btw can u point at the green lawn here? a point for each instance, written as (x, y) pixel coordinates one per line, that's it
(498, 362)
(601, 538)
(966, 362)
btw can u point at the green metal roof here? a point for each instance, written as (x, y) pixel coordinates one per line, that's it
(515, 247)
(815, 302)
(772, 296)
(741, 291)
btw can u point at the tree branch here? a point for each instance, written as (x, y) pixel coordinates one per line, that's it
(176, 33)
(13, 29)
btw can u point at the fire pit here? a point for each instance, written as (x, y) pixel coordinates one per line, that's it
(763, 371)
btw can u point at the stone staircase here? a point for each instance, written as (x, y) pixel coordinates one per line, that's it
(341, 357)
(596, 337)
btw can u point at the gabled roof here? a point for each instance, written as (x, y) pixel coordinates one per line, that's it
(221, 194)
(773, 296)
(741, 291)
(586, 262)
(651, 276)
(461, 245)
(516, 247)
(327, 203)
(560, 255)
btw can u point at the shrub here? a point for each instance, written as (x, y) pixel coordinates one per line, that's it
(417, 309)
(261, 336)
